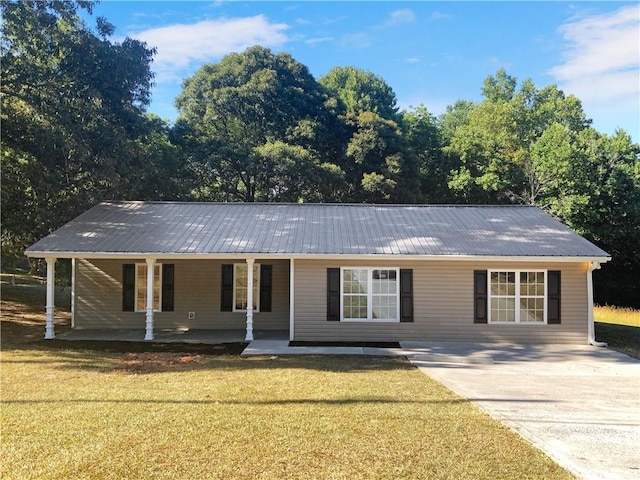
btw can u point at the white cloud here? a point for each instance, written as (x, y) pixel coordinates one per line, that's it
(412, 60)
(355, 41)
(602, 58)
(440, 16)
(399, 17)
(316, 40)
(181, 47)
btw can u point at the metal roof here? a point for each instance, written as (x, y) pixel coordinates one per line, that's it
(196, 229)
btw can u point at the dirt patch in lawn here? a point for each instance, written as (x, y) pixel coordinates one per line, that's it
(148, 362)
(22, 327)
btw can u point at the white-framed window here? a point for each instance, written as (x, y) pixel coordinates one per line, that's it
(370, 294)
(517, 296)
(240, 271)
(141, 287)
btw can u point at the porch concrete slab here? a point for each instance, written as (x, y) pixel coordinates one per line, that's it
(579, 404)
(174, 335)
(281, 347)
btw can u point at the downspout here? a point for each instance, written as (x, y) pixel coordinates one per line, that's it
(592, 331)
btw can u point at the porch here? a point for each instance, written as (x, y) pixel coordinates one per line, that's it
(172, 335)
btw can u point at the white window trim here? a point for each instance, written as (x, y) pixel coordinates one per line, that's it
(256, 286)
(159, 309)
(517, 296)
(369, 319)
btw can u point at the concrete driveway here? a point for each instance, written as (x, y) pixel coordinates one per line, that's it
(579, 404)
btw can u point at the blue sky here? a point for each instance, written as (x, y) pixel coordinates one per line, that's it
(432, 53)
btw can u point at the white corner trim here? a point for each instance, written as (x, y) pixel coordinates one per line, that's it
(292, 298)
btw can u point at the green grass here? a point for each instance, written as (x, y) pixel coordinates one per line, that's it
(619, 327)
(95, 415)
(70, 411)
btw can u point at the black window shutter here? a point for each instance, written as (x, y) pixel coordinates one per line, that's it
(226, 296)
(128, 287)
(553, 296)
(333, 294)
(266, 277)
(480, 296)
(406, 295)
(167, 287)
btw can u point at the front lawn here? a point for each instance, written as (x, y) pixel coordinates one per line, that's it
(99, 413)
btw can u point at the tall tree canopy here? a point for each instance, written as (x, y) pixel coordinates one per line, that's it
(72, 111)
(361, 91)
(238, 115)
(379, 165)
(493, 148)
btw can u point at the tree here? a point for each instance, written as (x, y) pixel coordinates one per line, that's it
(454, 116)
(422, 133)
(378, 166)
(235, 112)
(493, 148)
(361, 91)
(72, 104)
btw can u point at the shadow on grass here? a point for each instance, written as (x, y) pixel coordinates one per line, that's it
(285, 401)
(624, 339)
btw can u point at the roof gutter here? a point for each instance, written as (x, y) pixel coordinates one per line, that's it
(312, 256)
(591, 328)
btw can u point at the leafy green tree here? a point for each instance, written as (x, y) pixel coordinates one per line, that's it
(454, 116)
(72, 104)
(361, 91)
(291, 173)
(378, 164)
(379, 167)
(231, 111)
(493, 148)
(422, 133)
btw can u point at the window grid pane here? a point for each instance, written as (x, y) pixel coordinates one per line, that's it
(532, 289)
(503, 296)
(370, 294)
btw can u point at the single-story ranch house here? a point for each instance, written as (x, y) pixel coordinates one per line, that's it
(328, 272)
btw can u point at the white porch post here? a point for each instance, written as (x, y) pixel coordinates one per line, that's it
(249, 337)
(51, 289)
(73, 293)
(149, 320)
(591, 327)
(292, 298)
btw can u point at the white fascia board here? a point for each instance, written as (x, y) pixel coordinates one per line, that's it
(302, 256)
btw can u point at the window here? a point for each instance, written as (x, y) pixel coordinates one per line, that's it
(141, 287)
(240, 287)
(517, 296)
(370, 294)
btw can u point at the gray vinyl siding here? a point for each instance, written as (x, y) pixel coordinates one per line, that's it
(443, 305)
(197, 289)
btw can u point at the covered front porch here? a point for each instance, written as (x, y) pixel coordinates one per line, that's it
(189, 300)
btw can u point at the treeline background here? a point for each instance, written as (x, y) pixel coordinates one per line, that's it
(257, 126)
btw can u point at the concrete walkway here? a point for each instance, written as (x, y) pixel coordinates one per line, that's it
(579, 404)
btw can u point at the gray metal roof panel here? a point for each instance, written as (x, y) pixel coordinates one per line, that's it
(331, 229)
